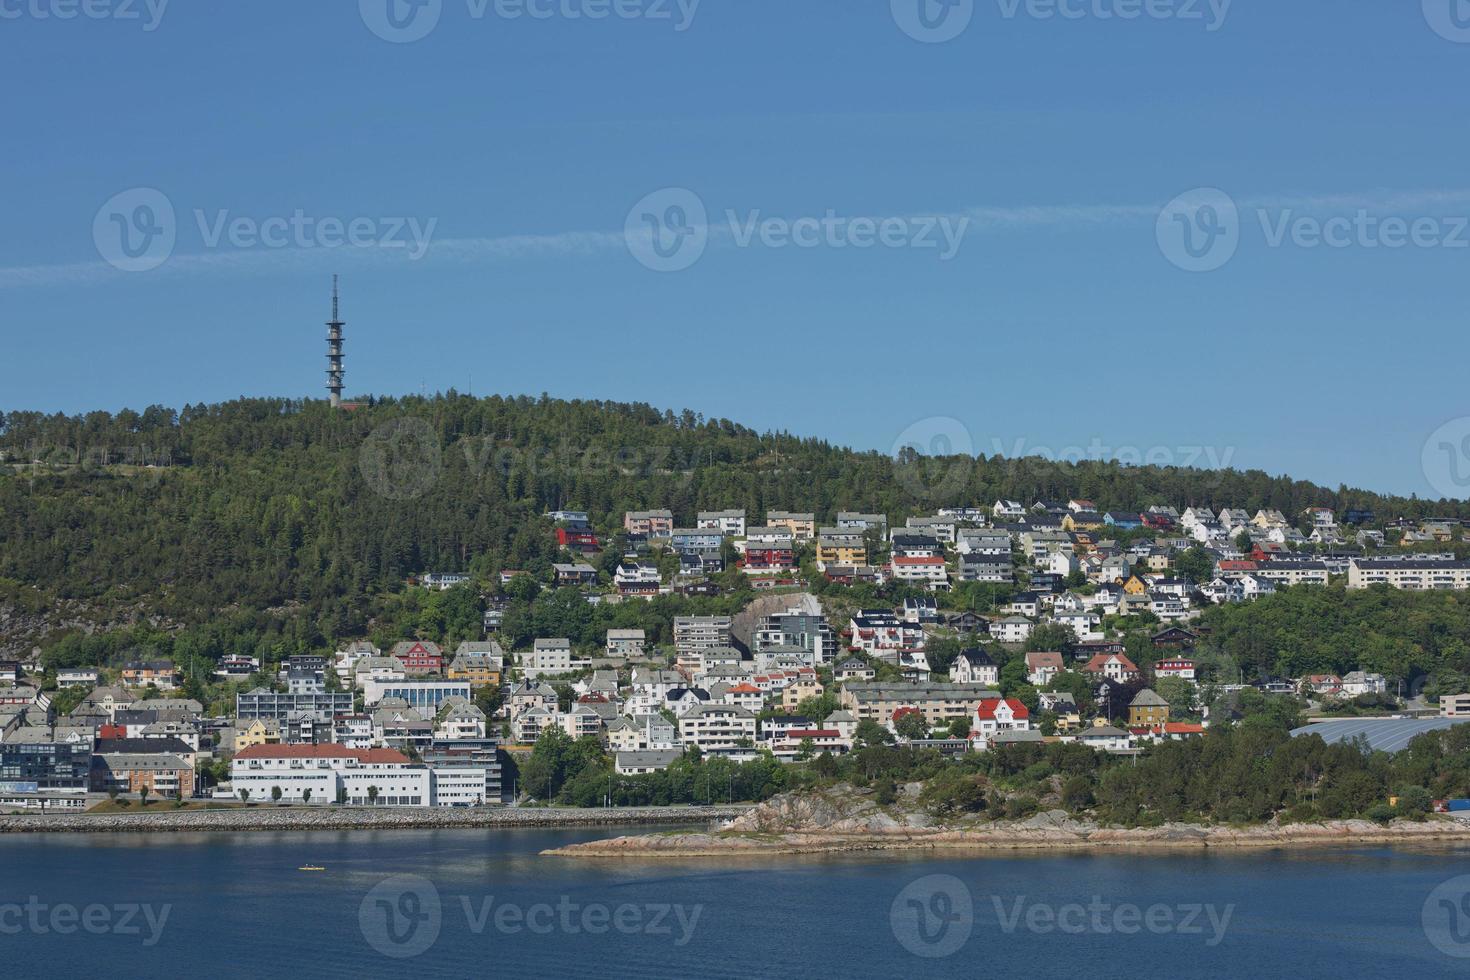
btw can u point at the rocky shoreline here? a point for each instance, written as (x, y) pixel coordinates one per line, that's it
(818, 824)
(263, 818)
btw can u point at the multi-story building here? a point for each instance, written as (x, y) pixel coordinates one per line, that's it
(332, 774)
(716, 726)
(1418, 573)
(481, 664)
(626, 643)
(701, 632)
(418, 694)
(161, 774)
(730, 523)
(940, 703)
(651, 523)
(267, 704)
(863, 522)
(1294, 572)
(154, 673)
(54, 768)
(637, 579)
(803, 527)
(419, 657)
(841, 546)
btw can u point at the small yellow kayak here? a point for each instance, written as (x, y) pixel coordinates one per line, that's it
(311, 867)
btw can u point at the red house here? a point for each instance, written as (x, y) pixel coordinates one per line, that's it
(577, 539)
(420, 657)
(769, 558)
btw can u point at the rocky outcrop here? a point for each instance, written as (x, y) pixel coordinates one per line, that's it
(242, 819)
(844, 820)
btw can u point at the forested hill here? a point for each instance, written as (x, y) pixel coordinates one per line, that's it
(262, 504)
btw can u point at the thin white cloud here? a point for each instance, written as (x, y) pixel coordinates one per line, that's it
(471, 251)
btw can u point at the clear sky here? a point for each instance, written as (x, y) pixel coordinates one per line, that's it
(509, 155)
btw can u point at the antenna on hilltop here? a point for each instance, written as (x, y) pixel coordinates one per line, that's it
(335, 372)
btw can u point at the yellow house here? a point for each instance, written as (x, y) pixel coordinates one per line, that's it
(798, 691)
(1082, 522)
(1135, 586)
(840, 553)
(259, 732)
(481, 670)
(1147, 710)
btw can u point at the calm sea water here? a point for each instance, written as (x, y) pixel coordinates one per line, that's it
(480, 903)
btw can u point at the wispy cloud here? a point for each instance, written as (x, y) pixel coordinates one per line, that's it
(982, 219)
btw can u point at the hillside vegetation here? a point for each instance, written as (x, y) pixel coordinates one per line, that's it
(276, 526)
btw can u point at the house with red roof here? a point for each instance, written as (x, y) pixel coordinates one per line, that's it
(998, 715)
(1111, 666)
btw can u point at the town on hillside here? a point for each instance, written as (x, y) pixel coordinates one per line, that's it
(961, 632)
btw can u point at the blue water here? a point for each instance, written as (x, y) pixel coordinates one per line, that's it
(464, 903)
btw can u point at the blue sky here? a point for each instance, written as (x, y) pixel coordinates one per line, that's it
(1063, 322)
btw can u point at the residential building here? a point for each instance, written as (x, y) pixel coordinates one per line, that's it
(626, 644)
(267, 704)
(940, 703)
(730, 523)
(1042, 666)
(1147, 710)
(1417, 573)
(651, 523)
(975, 666)
(150, 673)
(331, 774)
(700, 632)
(803, 527)
(716, 726)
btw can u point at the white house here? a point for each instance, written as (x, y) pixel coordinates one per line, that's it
(975, 667)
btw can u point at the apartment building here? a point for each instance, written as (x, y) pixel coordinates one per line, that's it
(650, 523)
(1417, 575)
(730, 523)
(701, 632)
(939, 702)
(803, 527)
(716, 726)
